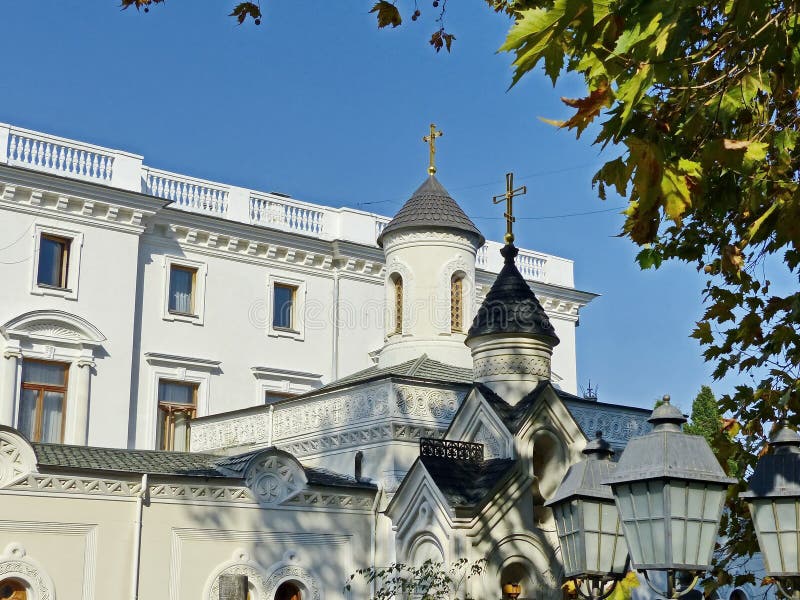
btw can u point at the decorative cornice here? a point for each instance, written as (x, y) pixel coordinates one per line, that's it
(172, 360)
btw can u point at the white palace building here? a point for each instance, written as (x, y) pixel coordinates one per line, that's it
(199, 379)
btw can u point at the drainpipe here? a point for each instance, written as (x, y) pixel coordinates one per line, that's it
(271, 421)
(374, 534)
(137, 539)
(335, 319)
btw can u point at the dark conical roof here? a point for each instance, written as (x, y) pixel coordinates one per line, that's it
(511, 306)
(431, 206)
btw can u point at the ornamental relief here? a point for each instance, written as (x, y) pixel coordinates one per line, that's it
(428, 403)
(14, 563)
(317, 415)
(234, 432)
(616, 427)
(274, 477)
(294, 573)
(492, 447)
(53, 330)
(393, 239)
(15, 461)
(512, 365)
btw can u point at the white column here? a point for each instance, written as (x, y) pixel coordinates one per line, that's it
(80, 406)
(8, 391)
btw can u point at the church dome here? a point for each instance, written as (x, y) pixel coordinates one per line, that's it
(511, 307)
(431, 206)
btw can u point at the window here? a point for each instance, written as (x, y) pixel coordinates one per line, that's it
(283, 306)
(457, 303)
(398, 304)
(56, 261)
(41, 409)
(184, 290)
(177, 405)
(11, 589)
(53, 261)
(182, 282)
(288, 591)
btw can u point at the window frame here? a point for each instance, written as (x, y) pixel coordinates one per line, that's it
(457, 281)
(297, 330)
(175, 408)
(200, 269)
(398, 301)
(41, 388)
(192, 291)
(70, 263)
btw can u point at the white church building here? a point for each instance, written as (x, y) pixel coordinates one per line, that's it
(199, 379)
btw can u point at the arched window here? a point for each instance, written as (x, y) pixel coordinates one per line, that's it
(457, 303)
(12, 589)
(398, 303)
(288, 591)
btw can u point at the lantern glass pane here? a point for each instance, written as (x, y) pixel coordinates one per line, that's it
(566, 515)
(764, 521)
(613, 549)
(641, 506)
(786, 510)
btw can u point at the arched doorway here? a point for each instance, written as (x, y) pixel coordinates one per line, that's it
(288, 591)
(11, 589)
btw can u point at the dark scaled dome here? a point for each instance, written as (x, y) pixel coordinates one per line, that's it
(431, 206)
(511, 306)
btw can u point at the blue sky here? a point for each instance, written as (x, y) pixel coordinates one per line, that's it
(319, 104)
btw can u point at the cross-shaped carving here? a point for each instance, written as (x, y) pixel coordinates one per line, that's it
(431, 141)
(509, 199)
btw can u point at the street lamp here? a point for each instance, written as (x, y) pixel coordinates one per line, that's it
(774, 501)
(588, 526)
(669, 489)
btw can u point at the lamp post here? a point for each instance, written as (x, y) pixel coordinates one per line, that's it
(774, 501)
(588, 525)
(669, 489)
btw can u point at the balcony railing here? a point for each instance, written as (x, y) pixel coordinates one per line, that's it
(77, 160)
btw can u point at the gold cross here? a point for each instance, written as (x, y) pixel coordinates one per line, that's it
(431, 140)
(509, 199)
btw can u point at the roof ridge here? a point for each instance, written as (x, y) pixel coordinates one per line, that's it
(417, 364)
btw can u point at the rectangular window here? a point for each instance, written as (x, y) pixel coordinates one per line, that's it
(182, 289)
(53, 261)
(177, 406)
(41, 410)
(283, 300)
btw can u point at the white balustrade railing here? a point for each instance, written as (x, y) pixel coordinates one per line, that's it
(187, 193)
(287, 214)
(531, 265)
(380, 225)
(116, 168)
(56, 155)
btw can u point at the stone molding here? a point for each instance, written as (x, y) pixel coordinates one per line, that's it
(73, 208)
(293, 573)
(395, 240)
(618, 426)
(15, 562)
(274, 476)
(294, 419)
(17, 458)
(53, 326)
(511, 365)
(304, 428)
(78, 485)
(240, 564)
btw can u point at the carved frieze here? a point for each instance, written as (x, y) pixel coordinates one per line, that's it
(512, 365)
(618, 426)
(293, 573)
(337, 411)
(250, 429)
(428, 403)
(274, 477)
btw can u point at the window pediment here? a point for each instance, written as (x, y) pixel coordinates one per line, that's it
(53, 326)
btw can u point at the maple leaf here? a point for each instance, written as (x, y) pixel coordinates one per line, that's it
(387, 14)
(588, 108)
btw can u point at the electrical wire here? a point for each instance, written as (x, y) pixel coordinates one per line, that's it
(578, 214)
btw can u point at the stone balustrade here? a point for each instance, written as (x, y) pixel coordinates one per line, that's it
(115, 168)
